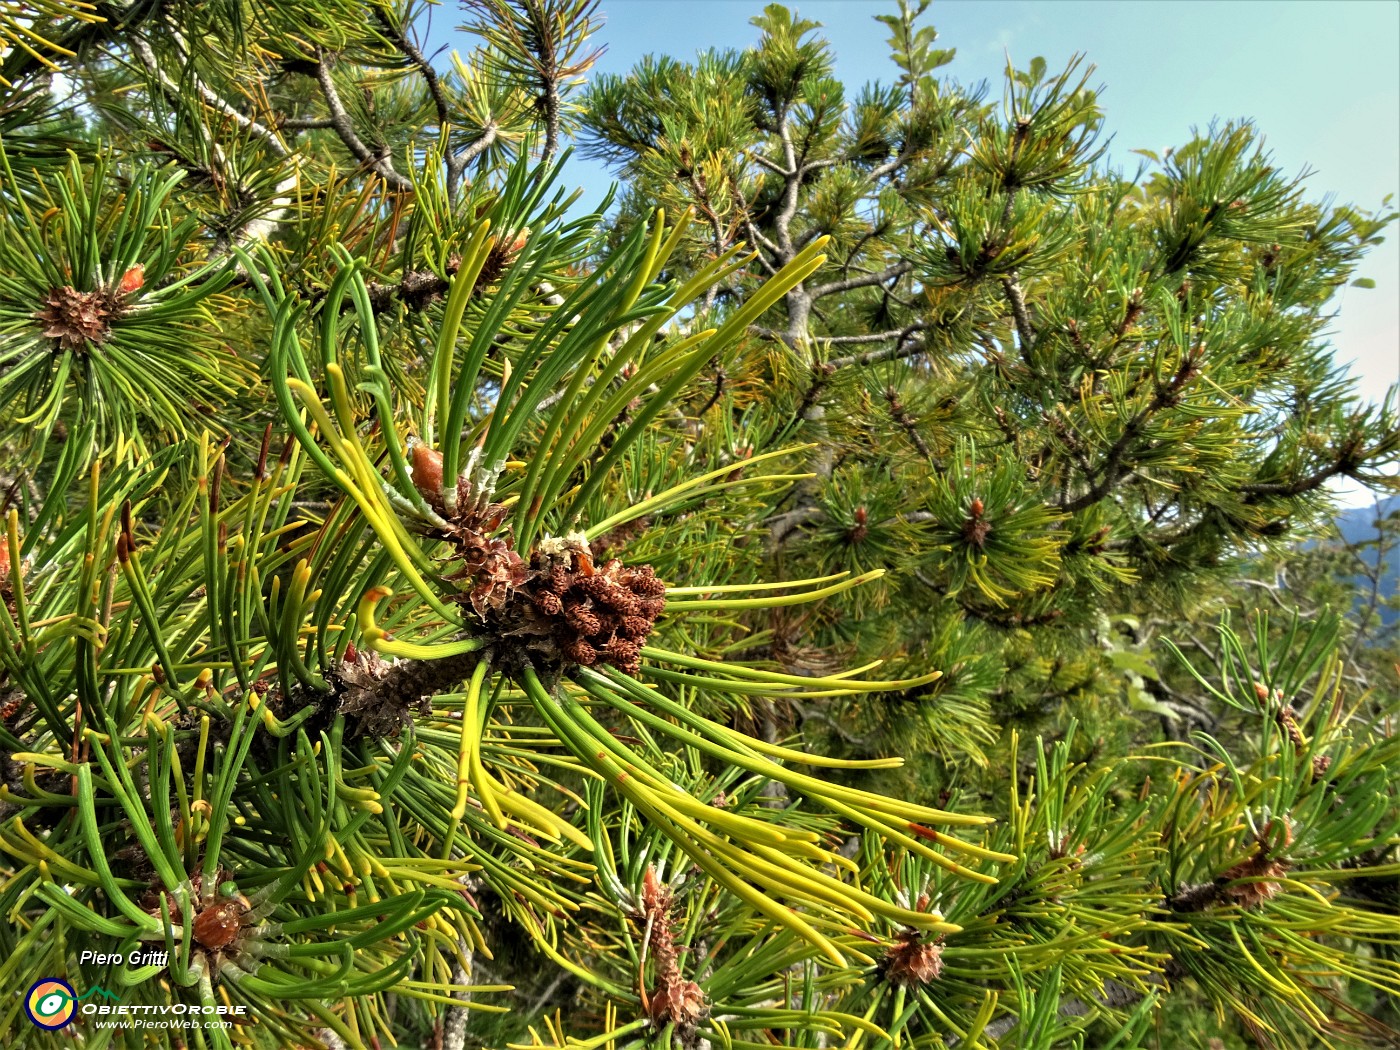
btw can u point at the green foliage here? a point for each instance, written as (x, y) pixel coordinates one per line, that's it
(102, 318)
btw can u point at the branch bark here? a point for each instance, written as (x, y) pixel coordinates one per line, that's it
(1025, 333)
(863, 281)
(281, 202)
(905, 347)
(455, 165)
(345, 129)
(454, 1024)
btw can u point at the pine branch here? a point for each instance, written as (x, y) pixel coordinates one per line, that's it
(905, 422)
(782, 222)
(1113, 466)
(1257, 492)
(454, 1024)
(267, 135)
(773, 166)
(305, 123)
(893, 165)
(1025, 333)
(863, 281)
(757, 236)
(876, 337)
(782, 527)
(281, 201)
(904, 347)
(480, 146)
(345, 129)
(1117, 996)
(410, 50)
(807, 236)
(549, 95)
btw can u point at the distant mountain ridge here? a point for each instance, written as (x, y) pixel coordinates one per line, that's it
(1358, 525)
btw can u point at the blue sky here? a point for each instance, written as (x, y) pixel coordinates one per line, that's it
(1320, 79)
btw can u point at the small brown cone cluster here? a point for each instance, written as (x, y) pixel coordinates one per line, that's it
(597, 615)
(1287, 719)
(500, 256)
(559, 608)
(912, 961)
(976, 528)
(672, 1000)
(1261, 873)
(490, 564)
(73, 318)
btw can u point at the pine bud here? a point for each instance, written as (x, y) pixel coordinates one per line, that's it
(651, 888)
(976, 530)
(427, 471)
(217, 926)
(858, 532)
(132, 280)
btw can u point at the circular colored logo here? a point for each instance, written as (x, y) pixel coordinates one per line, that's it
(51, 1003)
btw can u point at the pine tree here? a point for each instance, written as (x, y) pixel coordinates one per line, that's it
(428, 620)
(1151, 347)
